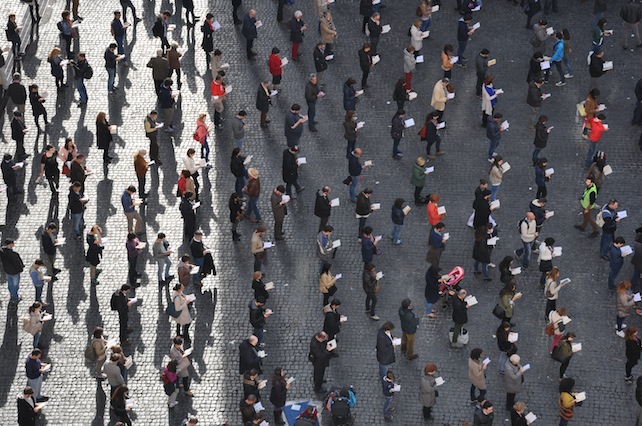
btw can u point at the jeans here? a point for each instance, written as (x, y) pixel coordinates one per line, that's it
(111, 77)
(353, 188)
(612, 276)
(484, 268)
(362, 225)
(383, 370)
(38, 289)
(387, 403)
(491, 149)
(558, 67)
(428, 308)
(605, 243)
(461, 48)
(238, 185)
(494, 189)
(36, 384)
(482, 394)
(288, 187)
(425, 24)
(167, 263)
(36, 339)
(634, 279)
(77, 223)
(258, 332)
(568, 65)
(13, 283)
(312, 112)
(132, 274)
(619, 321)
(371, 303)
(205, 151)
(395, 147)
(252, 207)
(82, 90)
(238, 143)
(536, 152)
(502, 362)
(198, 261)
(396, 232)
(593, 146)
(120, 41)
(525, 253)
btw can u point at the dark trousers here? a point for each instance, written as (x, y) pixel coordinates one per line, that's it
(122, 318)
(141, 186)
(319, 372)
(350, 147)
(374, 42)
(248, 47)
(371, 303)
(67, 39)
(164, 44)
(312, 113)
(418, 198)
(630, 363)
(510, 401)
(364, 77)
(157, 86)
(362, 224)
(550, 306)
(153, 148)
(323, 223)
(125, 4)
(132, 274)
(461, 48)
(183, 331)
(54, 182)
(278, 228)
(564, 366)
(20, 149)
(480, 83)
(235, 16)
(279, 18)
(427, 412)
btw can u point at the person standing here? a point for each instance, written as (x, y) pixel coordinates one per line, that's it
(67, 31)
(152, 134)
(481, 66)
(133, 250)
(238, 129)
(325, 250)
(528, 234)
(208, 38)
(615, 262)
(237, 167)
(409, 323)
(129, 208)
(427, 390)
(312, 94)
(201, 133)
(278, 394)
(253, 190)
(541, 137)
(119, 32)
(167, 100)
(439, 96)
(98, 345)
(293, 120)
(373, 31)
(160, 69)
(257, 249)
(633, 351)
(596, 67)
(217, 89)
(489, 99)
(332, 321)
(477, 375)
(18, 130)
(349, 95)
(37, 106)
(327, 283)
(12, 265)
(354, 170)
(49, 241)
(610, 219)
(141, 167)
(290, 171)
(174, 59)
(177, 353)
(396, 132)
(551, 290)
(323, 206)
(275, 65)
(534, 100)
(49, 169)
(631, 14)
(365, 63)
(249, 32)
(541, 178)
(120, 303)
(371, 287)
(365, 10)
(188, 213)
(161, 252)
(328, 32)
(624, 303)
(297, 29)
(397, 217)
(418, 179)
(595, 137)
(319, 355)
(279, 210)
(481, 253)
(494, 134)
(94, 252)
(416, 40)
(82, 72)
(363, 209)
(263, 102)
(459, 316)
(34, 370)
(388, 386)
(513, 379)
(464, 31)
(565, 353)
(385, 348)
(587, 201)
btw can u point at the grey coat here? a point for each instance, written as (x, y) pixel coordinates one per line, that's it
(513, 377)
(183, 362)
(427, 390)
(476, 374)
(114, 376)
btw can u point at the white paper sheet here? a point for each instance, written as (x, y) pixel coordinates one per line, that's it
(376, 206)
(406, 210)
(269, 286)
(622, 214)
(336, 243)
(420, 59)
(396, 341)
(513, 337)
(267, 244)
(544, 65)
(454, 60)
(439, 381)
(412, 95)
(505, 166)
(385, 29)
(409, 122)
(549, 171)
(476, 26)
(530, 418)
(557, 251)
(441, 210)
(450, 96)
(379, 275)
(429, 169)
(335, 202)
(375, 59)
(396, 388)
(580, 396)
(486, 361)
(301, 160)
(576, 347)
(549, 215)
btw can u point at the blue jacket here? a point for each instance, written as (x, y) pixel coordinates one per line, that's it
(397, 216)
(367, 250)
(127, 202)
(462, 30)
(249, 29)
(558, 51)
(165, 98)
(387, 387)
(617, 260)
(349, 98)
(540, 177)
(436, 239)
(492, 131)
(354, 166)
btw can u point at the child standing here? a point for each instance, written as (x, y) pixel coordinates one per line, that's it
(388, 386)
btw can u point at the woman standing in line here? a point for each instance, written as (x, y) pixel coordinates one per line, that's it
(624, 303)
(418, 179)
(495, 176)
(103, 136)
(551, 290)
(94, 252)
(507, 299)
(350, 133)
(489, 99)
(427, 389)
(34, 326)
(633, 351)
(371, 287)
(55, 60)
(431, 291)
(181, 304)
(477, 376)
(327, 283)
(119, 406)
(541, 178)
(481, 253)
(200, 135)
(566, 352)
(566, 401)
(49, 168)
(278, 394)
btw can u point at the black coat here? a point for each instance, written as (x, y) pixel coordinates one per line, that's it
(365, 8)
(278, 394)
(237, 167)
(75, 205)
(257, 318)
(208, 39)
(26, 414)
(263, 100)
(17, 130)
(541, 135)
(249, 29)
(94, 251)
(320, 64)
(11, 261)
(482, 212)
(460, 311)
(409, 321)
(481, 252)
(48, 245)
(259, 289)
(431, 291)
(320, 355)
(37, 107)
(17, 92)
(8, 173)
(103, 135)
(363, 205)
(385, 349)
(120, 303)
(332, 323)
(290, 167)
(248, 358)
(322, 206)
(296, 34)
(365, 60)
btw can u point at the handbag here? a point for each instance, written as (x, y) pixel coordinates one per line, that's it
(558, 355)
(171, 310)
(550, 329)
(377, 288)
(499, 312)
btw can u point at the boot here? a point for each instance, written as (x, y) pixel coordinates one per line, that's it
(236, 236)
(94, 281)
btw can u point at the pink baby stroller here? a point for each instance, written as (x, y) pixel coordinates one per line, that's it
(450, 282)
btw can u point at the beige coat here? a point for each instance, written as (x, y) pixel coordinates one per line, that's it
(183, 362)
(624, 304)
(495, 176)
(256, 245)
(326, 281)
(181, 305)
(476, 373)
(100, 347)
(439, 97)
(328, 31)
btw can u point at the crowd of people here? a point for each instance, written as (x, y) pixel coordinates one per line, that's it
(443, 290)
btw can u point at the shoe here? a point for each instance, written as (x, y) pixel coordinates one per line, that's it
(491, 265)
(488, 279)
(638, 45)
(605, 258)
(628, 379)
(398, 242)
(623, 326)
(594, 234)
(463, 59)
(101, 377)
(189, 393)
(620, 333)
(431, 157)
(172, 404)
(313, 129)
(411, 358)
(441, 152)
(388, 418)
(374, 318)
(491, 160)
(560, 83)
(578, 227)
(568, 75)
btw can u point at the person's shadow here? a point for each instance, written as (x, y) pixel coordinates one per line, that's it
(101, 404)
(9, 353)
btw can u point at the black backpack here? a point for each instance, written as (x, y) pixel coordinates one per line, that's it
(340, 410)
(89, 72)
(157, 29)
(519, 226)
(113, 303)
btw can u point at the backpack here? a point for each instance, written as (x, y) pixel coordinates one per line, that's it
(157, 29)
(340, 410)
(89, 72)
(90, 354)
(519, 226)
(26, 324)
(113, 303)
(599, 218)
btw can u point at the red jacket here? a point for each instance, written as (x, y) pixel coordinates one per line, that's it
(433, 216)
(201, 131)
(597, 128)
(275, 64)
(217, 89)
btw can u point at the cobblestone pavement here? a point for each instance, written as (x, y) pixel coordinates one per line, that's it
(221, 309)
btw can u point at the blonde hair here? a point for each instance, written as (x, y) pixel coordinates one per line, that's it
(54, 52)
(201, 117)
(520, 407)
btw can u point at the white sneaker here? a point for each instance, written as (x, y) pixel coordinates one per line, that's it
(491, 160)
(568, 75)
(172, 404)
(623, 326)
(560, 83)
(620, 333)
(491, 265)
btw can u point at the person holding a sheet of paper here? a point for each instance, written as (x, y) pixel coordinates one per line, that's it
(459, 316)
(477, 375)
(507, 298)
(596, 68)
(332, 321)
(177, 353)
(481, 253)
(464, 31)
(513, 379)
(610, 220)
(616, 261)
(257, 249)
(551, 290)
(540, 35)
(416, 41)
(564, 352)
(249, 31)
(373, 31)
(396, 132)
(528, 233)
(325, 245)
(38, 280)
(328, 32)
(567, 400)
(290, 171)
(496, 172)
(297, 28)
(595, 136)
(494, 134)
(534, 100)
(365, 61)
(363, 208)
(279, 211)
(439, 91)
(489, 96)
(323, 206)
(389, 388)
(278, 394)
(385, 348)
(624, 303)
(633, 351)
(319, 356)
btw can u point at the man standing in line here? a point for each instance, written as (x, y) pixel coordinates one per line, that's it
(118, 30)
(152, 134)
(528, 233)
(291, 171)
(320, 357)
(396, 131)
(481, 66)
(238, 129)
(77, 210)
(18, 130)
(82, 71)
(322, 206)
(534, 100)
(120, 303)
(312, 94)
(609, 215)
(460, 316)
(130, 210)
(17, 93)
(160, 69)
(279, 210)
(409, 323)
(587, 202)
(354, 169)
(250, 33)
(631, 14)
(385, 348)
(263, 102)
(464, 30)
(13, 266)
(293, 128)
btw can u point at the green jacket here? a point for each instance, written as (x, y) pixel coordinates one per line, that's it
(504, 302)
(418, 176)
(588, 197)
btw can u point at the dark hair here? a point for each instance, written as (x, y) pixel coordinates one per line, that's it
(328, 228)
(566, 34)
(601, 22)
(351, 81)
(98, 331)
(387, 326)
(619, 240)
(448, 48)
(484, 51)
(367, 230)
(399, 202)
(178, 340)
(369, 267)
(566, 385)
(326, 268)
(405, 303)
(543, 119)
(475, 354)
